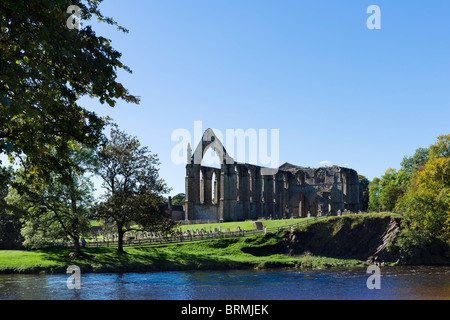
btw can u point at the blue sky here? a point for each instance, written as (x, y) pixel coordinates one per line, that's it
(337, 91)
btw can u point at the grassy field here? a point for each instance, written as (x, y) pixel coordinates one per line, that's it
(211, 254)
(244, 225)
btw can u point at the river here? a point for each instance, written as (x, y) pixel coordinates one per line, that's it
(406, 283)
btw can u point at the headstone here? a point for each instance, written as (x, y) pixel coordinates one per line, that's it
(258, 225)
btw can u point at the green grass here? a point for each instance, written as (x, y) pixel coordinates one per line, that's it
(244, 225)
(211, 254)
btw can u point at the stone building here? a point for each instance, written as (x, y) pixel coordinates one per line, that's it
(245, 191)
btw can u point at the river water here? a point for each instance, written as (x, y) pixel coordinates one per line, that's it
(395, 283)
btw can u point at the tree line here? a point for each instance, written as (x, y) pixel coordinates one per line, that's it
(420, 191)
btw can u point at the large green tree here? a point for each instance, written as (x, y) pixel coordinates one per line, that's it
(45, 68)
(410, 163)
(133, 197)
(178, 200)
(364, 185)
(10, 224)
(384, 192)
(57, 207)
(426, 204)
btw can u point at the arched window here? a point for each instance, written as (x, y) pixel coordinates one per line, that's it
(300, 176)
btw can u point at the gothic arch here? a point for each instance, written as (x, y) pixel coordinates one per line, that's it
(210, 140)
(316, 204)
(299, 205)
(320, 175)
(300, 175)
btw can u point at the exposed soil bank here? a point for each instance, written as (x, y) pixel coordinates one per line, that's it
(348, 237)
(369, 238)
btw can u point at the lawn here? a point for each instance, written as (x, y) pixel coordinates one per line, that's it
(244, 225)
(211, 254)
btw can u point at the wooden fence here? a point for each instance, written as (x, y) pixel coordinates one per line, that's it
(187, 236)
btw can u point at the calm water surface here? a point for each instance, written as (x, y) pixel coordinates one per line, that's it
(396, 283)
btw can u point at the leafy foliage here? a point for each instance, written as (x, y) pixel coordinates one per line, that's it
(178, 200)
(385, 191)
(45, 68)
(420, 191)
(364, 185)
(58, 207)
(133, 187)
(10, 224)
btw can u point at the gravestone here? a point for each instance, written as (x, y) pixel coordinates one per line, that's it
(258, 225)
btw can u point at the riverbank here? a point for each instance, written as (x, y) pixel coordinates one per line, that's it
(348, 241)
(212, 254)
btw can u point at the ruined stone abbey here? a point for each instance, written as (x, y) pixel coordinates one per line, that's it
(245, 191)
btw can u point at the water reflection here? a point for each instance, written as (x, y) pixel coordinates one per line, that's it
(396, 283)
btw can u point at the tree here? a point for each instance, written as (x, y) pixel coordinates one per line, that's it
(178, 200)
(364, 185)
(426, 204)
(441, 148)
(10, 224)
(133, 187)
(410, 163)
(384, 192)
(374, 195)
(45, 68)
(57, 207)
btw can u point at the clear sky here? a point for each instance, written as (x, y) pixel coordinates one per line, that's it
(337, 91)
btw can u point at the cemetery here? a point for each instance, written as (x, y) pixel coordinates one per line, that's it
(103, 238)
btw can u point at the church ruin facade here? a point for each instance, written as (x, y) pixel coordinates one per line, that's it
(240, 191)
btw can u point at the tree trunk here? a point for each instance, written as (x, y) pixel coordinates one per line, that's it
(120, 240)
(76, 243)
